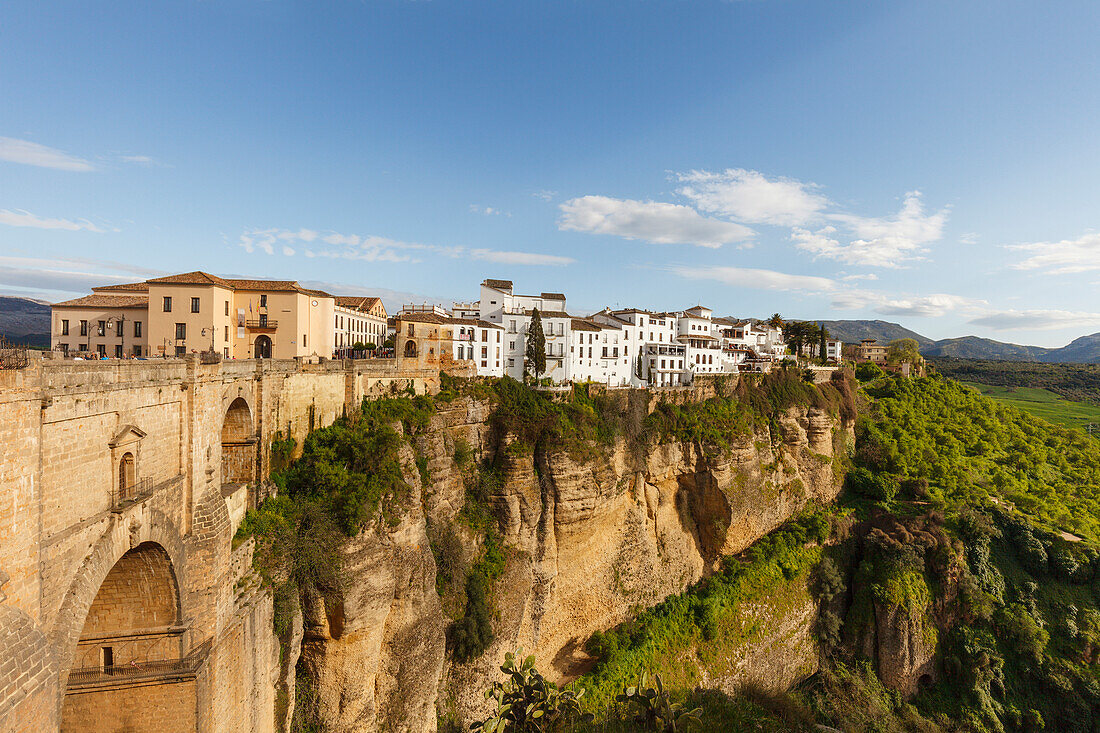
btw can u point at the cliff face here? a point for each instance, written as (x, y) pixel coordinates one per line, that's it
(590, 536)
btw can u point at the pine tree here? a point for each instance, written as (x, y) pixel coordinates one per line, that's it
(823, 350)
(535, 354)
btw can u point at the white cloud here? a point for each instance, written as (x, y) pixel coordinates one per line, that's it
(64, 275)
(913, 306)
(24, 151)
(545, 195)
(750, 196)
(652, 221)
(372, 248)
(1037, 320)
(745, 277)
(137, 159)
(519, 258)
(487, 211)
(20, 218)
(1066, 257)
(880, 241)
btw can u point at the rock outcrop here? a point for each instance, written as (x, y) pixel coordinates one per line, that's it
(591, 535)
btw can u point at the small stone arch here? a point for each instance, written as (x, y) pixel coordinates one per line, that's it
(410, 349)
(263, 347)
(238, 444)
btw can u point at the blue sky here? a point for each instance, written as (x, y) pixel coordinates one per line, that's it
(931, 163)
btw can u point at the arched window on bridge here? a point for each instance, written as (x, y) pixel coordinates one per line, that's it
(410, 349)
(127, 476)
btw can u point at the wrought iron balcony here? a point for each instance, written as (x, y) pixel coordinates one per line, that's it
(159, 668)
(138, 491)
(261, 324)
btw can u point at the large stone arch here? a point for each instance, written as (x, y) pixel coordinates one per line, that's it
(127, 531)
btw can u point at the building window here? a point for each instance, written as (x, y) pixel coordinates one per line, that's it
(118, 351)
(101, 349)
(101, 328)
(305, 341)
(83, 328)
(65, 327)
(136, 349)
(194, 305)
(181, 331)
(227, 307)
(263, 300)
(137, 329)
(181, 351)
(167, 304)
(226, 334)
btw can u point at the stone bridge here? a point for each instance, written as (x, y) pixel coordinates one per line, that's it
(123, 603)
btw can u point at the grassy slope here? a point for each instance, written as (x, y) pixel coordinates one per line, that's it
(1043, 403)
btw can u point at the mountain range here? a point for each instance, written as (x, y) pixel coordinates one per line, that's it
(25, 321)
(1084, 350)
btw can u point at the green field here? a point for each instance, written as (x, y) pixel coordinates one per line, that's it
(1045, 404)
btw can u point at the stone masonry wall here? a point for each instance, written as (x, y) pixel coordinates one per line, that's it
(64, 427)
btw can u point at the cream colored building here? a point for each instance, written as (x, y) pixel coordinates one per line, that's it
(198, 312)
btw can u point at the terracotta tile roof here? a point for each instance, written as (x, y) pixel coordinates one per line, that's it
(422, 318)
(357, 302)
(198, 277)
(552, 296)
(579, 324)
(315, 293)
(106, 301)
(498, 284)
(141, 287)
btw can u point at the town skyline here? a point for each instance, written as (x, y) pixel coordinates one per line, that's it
(927, 166)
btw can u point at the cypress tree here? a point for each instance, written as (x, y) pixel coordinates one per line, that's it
(535, 353)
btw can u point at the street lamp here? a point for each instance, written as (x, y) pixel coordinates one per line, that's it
(211, 330)
(121, 332)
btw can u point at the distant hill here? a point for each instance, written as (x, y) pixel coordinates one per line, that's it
(25, 320)
(973, 347)
(1084, 350)
(852, 332)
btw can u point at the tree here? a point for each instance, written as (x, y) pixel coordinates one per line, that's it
(822, 349)
(535, 355)
(902, 350)
(776, 321)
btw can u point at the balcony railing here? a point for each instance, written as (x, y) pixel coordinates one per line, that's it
(261, 324)
(138, 491)
(189, 665)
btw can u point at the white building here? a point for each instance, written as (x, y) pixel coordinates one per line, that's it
(358, 320)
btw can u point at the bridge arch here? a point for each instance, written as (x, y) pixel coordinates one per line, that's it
(145, 526)
(238, 443)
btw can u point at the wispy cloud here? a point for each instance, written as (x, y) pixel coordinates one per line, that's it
(651, 221)
(14, 150)
(64, 275)
(138, 159)
(745, 277)
(545, 195)
(372, 248)
(519, 258)
(1037, 320)
(751, 197)
(913, 306)
(1066, 257)
(879, 241)
(20, 218)
(487, 211)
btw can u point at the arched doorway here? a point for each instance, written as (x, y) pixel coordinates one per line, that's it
(238, 443)
(126, 476)
(263, 347)
(410, 349)
(131, 665)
